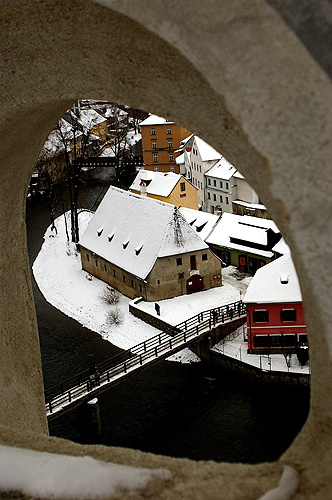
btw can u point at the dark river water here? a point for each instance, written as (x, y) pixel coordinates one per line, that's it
(169, 409)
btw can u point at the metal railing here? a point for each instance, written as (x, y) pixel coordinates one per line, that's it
(173, 339)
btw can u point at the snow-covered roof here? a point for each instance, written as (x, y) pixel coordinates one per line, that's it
(281, 247)
(222, 170)
(277, 282)
(89, 117)
(206, 151)
(155, 120)
(157, 183)
(242, 227)
(180, 159)
(202, 222)
(246, 204)
(132, 231)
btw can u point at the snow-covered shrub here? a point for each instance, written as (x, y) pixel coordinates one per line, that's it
(115, 316)
(110, 296)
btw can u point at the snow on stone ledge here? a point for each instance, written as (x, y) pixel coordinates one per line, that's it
(47, 475)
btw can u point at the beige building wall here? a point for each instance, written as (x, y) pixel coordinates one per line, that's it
(163, 282)
(168, 279)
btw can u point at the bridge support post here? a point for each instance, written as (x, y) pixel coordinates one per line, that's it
(202, 348)
(89, 419)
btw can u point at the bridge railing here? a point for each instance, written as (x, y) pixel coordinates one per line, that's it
(140, 354)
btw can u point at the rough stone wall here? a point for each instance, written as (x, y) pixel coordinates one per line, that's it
(271, 102)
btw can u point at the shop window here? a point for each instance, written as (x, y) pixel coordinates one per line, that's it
(289, 340)
(261, 341)
(276, 340)
(261, 316)
(288, 315)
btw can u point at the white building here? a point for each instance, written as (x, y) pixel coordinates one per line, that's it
(228, 191)
(198, 157)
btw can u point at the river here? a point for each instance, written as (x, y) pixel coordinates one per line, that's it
(192, 411)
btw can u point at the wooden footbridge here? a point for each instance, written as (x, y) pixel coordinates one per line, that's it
(83, 387)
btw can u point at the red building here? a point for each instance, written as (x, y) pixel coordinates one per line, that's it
(275, 316)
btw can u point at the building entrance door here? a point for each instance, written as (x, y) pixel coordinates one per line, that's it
(242, 263)
(194, 283)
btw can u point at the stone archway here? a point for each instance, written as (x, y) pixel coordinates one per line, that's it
(241, 80)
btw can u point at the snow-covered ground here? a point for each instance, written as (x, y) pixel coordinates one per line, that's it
(237, 349)
(57, 270)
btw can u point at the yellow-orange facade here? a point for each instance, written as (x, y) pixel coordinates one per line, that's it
(160, 140)
(184, 194)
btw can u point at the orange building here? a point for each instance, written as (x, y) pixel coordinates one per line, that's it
(160, 140)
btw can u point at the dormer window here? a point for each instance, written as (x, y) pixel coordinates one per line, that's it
(99, 231)
(125, 243)
(138, 249)
(284, 279)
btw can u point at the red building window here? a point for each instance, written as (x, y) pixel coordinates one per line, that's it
(261, 316)
(288, 315)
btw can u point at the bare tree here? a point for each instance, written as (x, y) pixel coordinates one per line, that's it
(76, 141)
